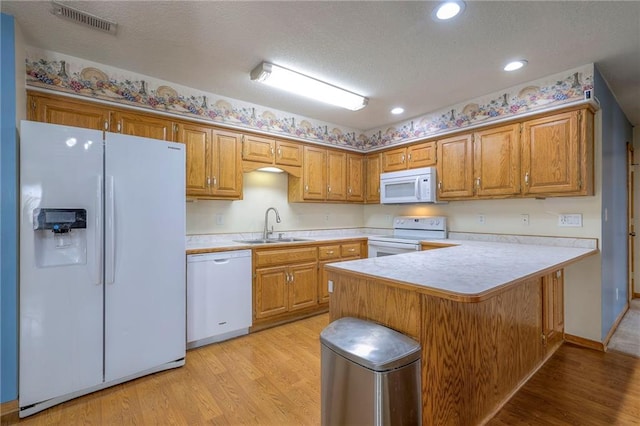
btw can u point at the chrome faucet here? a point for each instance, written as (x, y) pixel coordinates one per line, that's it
(266, 232)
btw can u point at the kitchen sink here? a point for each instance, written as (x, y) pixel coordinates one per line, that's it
(272, 240)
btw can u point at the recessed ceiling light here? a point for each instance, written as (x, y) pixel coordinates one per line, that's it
(448, 10)
(397, 110)
(515, 65)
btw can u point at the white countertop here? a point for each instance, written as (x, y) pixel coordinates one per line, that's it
(470, 268)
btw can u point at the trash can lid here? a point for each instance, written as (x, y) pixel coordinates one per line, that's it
(370, 345)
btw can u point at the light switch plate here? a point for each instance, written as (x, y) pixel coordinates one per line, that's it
(570, 220)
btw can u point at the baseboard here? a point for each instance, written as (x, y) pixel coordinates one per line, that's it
(615, 325)
(8, 408)
(586, 343)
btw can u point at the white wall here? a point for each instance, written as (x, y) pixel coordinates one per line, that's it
(636, 198)
(261, 191)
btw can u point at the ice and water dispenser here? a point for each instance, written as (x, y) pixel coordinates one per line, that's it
(60, 236)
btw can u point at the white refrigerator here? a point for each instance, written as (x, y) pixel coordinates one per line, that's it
(102, 261)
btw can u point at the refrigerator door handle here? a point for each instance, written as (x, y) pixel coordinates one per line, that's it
(99, 234)
(110, 231)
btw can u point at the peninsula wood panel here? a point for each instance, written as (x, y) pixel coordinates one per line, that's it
(475, 354)
(393, 307)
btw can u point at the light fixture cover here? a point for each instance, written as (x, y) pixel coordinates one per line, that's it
(515, 65)
(294, 82)
(447, 10)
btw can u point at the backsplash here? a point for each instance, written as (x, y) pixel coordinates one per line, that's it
(64, 73)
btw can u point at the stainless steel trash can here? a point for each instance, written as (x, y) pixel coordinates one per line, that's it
(370, 375)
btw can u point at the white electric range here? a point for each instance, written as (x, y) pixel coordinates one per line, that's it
(408, 231)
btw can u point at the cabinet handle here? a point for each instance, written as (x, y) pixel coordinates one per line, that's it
(106, 125)
(328, 188)
(402, 160)
(271, 150)
(478, 182)
(440, 186)
(215, 181)
(208, 181)
(526, 178)
(279, 153)
(306, 188)
(409, 156)
(351, 250)
(164, 133)
(349, 190)
(330, 252)
(119, 126)
(378, 190)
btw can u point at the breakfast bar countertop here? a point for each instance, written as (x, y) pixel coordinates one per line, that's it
(468, 270)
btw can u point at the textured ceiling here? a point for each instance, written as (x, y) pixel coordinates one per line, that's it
(391, 52)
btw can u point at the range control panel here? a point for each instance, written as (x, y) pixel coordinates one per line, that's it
(426, 223)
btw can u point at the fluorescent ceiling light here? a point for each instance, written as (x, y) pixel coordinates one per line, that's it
(397, 110)
(291, 81)
(448, 10)
(515, 65)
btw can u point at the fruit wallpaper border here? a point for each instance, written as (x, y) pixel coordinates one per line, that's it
(64, 73)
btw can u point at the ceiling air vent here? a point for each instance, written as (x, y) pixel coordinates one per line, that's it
(84, 18)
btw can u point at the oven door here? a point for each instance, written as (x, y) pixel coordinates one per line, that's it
(384, 248)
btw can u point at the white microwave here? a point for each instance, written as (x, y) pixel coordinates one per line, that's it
(408, 186)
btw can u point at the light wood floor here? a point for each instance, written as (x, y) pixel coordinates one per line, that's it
(273, 378)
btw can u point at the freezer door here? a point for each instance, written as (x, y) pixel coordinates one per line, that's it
(61, 294)
(145, 290)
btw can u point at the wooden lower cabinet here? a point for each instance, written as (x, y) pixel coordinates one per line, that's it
(285, 284)
(552, 310)
(336, 253)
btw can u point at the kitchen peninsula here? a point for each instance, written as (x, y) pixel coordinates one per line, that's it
(487, 315)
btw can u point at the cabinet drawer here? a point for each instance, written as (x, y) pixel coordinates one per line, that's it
(285, 256)
(350, 250)
(328, 252)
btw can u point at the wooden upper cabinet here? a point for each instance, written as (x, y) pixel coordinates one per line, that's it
(355, 177)
(255, 148)
(288, 153)
(226, 167)
(496, 161)
(314, 173)
(394, 160)
(145, 125)
(421, 155)
(553, 158)
(455, 167)
(336, 176)
(410, 157)
(372, 178)
(213, 169)
(66, 112)
(199, 151)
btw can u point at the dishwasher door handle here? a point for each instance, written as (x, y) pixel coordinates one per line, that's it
(221, 261)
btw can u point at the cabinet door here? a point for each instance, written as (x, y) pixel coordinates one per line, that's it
(314, 173)
(336, 175)
(288, 153)
(421, 155)
(551, 155)
(395, 159)
(303, 286)
(198, 156)
(323, 287)
(552, 309)
(271, 292)
(67, 112)
(372, 181)
(255, 148)
(227, 164)
(496, 160)
(355, 177)
(454, 172)
(129, 123)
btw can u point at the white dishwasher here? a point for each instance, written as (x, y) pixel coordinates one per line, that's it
(218, 296)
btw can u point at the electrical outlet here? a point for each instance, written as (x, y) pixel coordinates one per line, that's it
(326, 217)
(387, 218)
(330, 286)
(570, 220)
(219, 219)
(524, 219)
(481, 219)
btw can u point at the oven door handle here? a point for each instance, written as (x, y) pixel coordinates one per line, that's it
(394, 245)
